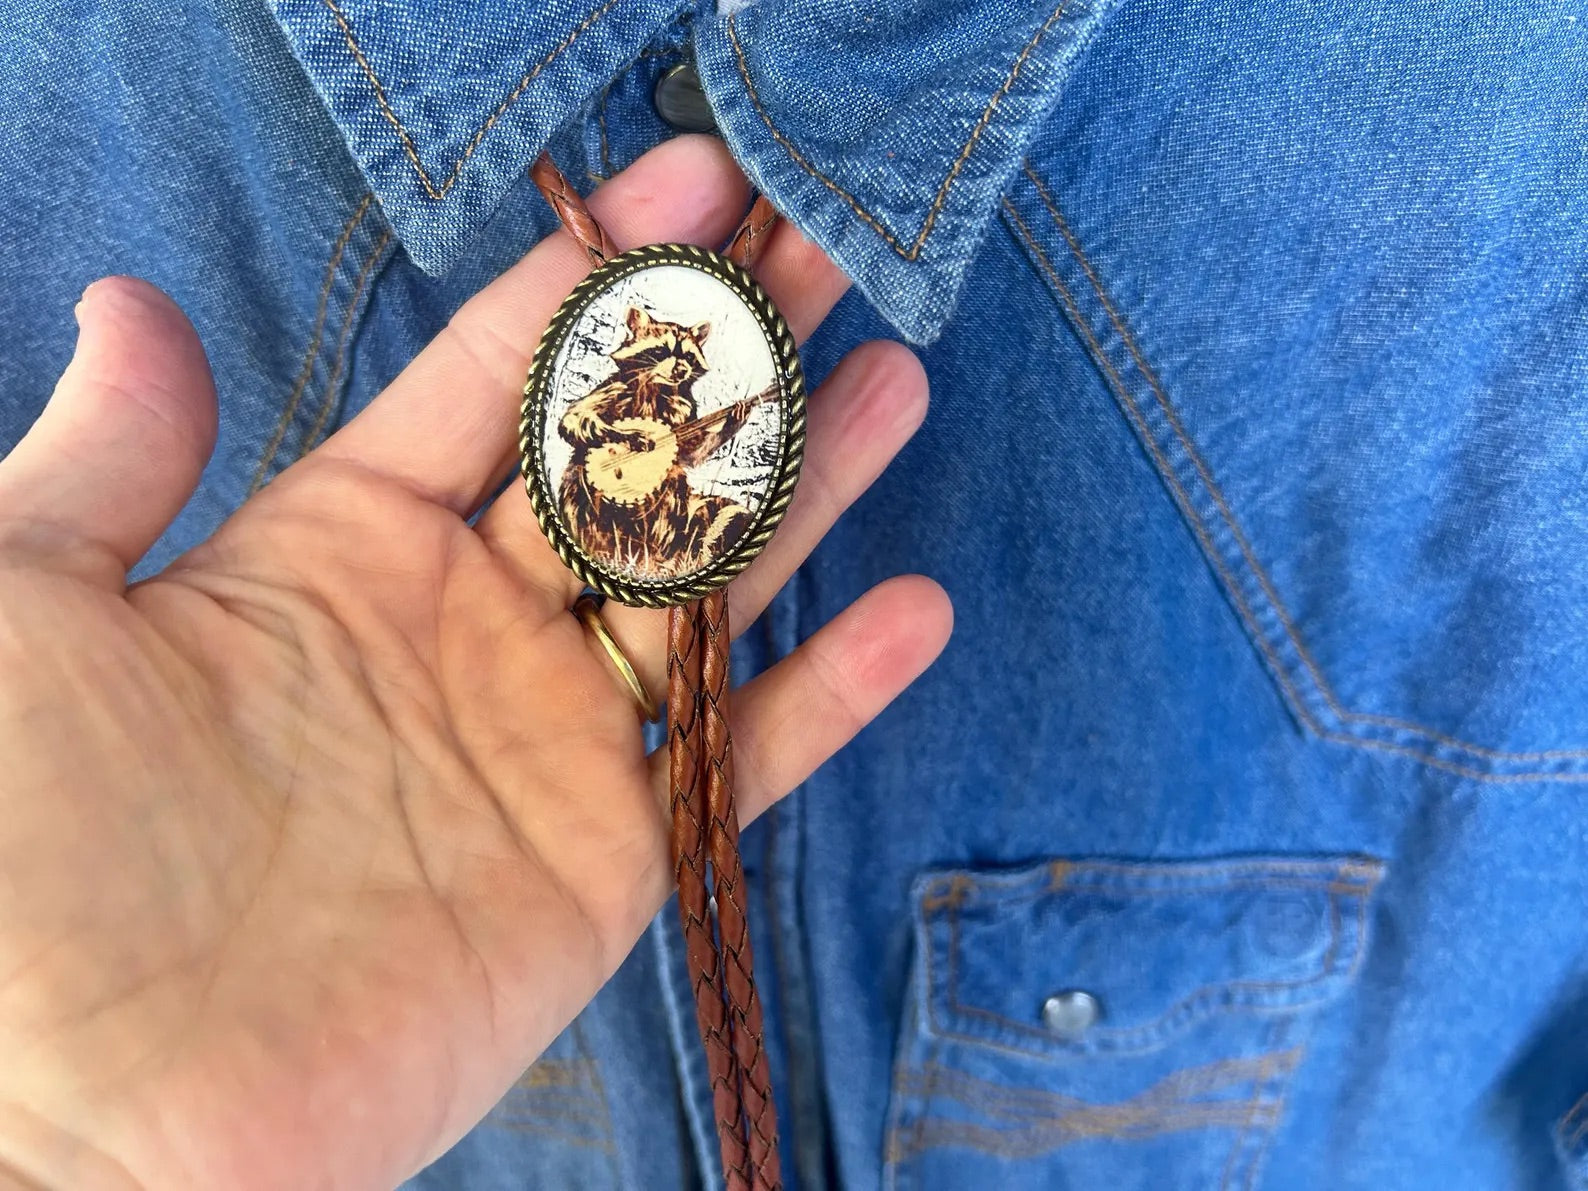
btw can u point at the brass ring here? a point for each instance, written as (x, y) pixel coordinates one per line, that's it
(588, 609)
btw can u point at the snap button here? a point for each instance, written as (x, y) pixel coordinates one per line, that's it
(1071, 1013)
(1288, 926)
(681, 101)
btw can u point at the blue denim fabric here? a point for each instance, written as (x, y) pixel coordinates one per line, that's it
(179, 142)
(1258, 338)
(443, 103)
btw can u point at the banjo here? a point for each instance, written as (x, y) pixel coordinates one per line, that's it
(632, 474)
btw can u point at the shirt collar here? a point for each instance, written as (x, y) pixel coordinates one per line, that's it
(885, 130)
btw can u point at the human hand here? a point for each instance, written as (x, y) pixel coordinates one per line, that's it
(309, 845)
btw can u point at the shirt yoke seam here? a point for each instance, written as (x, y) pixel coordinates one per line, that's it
(1216, 559)
(312, 353)
(349, 319)
(1244, 545)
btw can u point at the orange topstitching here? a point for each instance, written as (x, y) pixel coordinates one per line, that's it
(1116, 383)
(307, 368)
(1240, 537)
(409, 147)
(913, 251)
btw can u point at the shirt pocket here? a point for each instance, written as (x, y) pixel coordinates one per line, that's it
(1100, 1023)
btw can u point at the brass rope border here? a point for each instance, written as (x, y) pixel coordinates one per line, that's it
(791, 448)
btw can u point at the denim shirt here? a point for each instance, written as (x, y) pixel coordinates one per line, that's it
(1239, 837)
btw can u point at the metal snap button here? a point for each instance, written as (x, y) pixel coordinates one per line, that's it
(1071, 1013)
(681, 101)
(1288, 926)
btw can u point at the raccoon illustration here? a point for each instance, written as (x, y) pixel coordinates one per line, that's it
(626, 494)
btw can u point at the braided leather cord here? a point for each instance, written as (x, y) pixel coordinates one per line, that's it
(705, 822)
(688, 766)
(733, 928)
(566, 201)
(746, 243)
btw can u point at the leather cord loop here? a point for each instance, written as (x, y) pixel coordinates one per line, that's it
(569, 205)
(705, 822)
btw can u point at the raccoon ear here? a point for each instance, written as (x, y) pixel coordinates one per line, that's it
(699, 331)
(639, 322)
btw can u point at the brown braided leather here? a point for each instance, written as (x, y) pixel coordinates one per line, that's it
(570, 208)
(747, 241)
(688, 766)
(705, 822)
(733, 928)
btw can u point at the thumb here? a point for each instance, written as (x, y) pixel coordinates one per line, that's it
(120, 446)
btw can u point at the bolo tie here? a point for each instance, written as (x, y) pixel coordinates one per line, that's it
(662, 433)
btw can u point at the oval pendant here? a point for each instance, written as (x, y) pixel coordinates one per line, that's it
(663, 424)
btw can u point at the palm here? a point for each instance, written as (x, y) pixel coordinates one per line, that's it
(418, 795)
(344, 809)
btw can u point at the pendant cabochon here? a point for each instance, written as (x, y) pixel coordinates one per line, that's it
(664, 424)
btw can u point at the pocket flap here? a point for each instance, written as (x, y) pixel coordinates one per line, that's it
(1155, 946)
